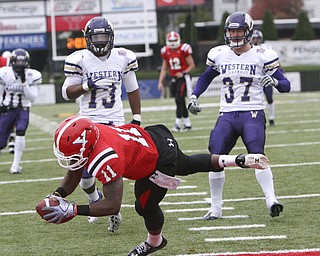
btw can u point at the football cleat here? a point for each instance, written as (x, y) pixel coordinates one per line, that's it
(145, 249)
(175, 128)
(90, 218)
(114, 222)
(186, 129)
(271, 122)
(213, 214)
(256, 161)
(275, 209)
(16, 169)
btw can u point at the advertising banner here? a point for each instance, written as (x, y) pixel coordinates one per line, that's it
(128, 5)
(164, 3)
(73, 7)
(70, 23)
(293, 53)
(25, 41)
(25, 25)
(22, 8)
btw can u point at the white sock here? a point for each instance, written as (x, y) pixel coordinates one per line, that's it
(154, 240)
(216, 182)
(20, 145)
(227, 160)
(187, 121)
(265, 180)
(87, 183)
(271, 110)
(178, 122)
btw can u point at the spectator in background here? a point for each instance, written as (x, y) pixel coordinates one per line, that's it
(178, 61)
(20, 84)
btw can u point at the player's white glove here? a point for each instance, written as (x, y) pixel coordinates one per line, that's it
(89, 85)
(193, 105)
(268, 81)
(65, 211)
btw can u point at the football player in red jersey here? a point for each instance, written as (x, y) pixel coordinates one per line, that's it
(178, 61)
(5, 59)
(109, 153)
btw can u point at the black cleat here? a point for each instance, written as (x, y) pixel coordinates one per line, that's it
(275, 209)
(145, 249)
(271, 122)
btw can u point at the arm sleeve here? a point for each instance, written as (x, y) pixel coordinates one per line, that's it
(204, 80)
(130, 81)
(284, 84)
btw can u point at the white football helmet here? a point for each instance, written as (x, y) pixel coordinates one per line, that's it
(6, 54)
(173, 40)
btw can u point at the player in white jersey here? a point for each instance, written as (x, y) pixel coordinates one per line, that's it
(20, 85)
(244, 71)
(258, 40)
(96, 75)
(5, 61)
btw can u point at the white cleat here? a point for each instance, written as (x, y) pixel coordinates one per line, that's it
(16, 169)
(210, 216)
(256, 161)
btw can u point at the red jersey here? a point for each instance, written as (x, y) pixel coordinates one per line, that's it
(4, 62)
(176, 58)
(126, 151)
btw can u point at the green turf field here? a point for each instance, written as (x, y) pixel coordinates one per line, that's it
(293, 147)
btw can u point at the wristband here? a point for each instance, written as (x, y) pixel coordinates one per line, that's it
(83, 210)
(136, 117)
(85, 86)
(60, 192)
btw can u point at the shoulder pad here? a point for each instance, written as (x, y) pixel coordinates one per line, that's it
(72, 64)
(215, 52)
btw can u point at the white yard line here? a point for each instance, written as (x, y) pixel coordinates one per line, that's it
(224, 217)
(244, 238)
(255, 253)
(227, 227)
(195, 209)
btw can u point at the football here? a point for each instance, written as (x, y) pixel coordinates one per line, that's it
(51, 201)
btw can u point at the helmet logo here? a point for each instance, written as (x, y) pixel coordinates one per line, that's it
(81, 140)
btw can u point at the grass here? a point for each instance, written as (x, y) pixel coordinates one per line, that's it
(292, 147)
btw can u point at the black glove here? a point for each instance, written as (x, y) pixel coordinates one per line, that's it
(136, 119)
(3, 109)
(135, 122)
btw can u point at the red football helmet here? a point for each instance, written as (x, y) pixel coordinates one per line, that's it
(173, 40)
(74, 140)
